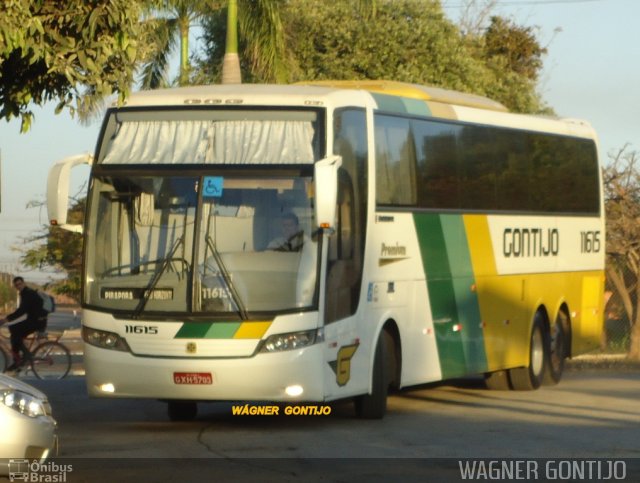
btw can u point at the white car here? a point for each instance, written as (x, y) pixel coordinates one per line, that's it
(28, 429)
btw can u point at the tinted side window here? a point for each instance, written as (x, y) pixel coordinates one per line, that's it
(470, 167)
(437, 168)
(395, 161)
(346, 247)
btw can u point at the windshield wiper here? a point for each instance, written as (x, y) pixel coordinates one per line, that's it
(242, 311)
(166, 261)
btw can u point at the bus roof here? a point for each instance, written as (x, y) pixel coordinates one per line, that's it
(414, 91)
(420, 100)
(223, 93)
(229, 94)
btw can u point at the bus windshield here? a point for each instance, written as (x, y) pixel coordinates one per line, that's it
(213, 244)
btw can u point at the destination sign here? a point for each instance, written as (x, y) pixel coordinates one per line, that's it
(108, 293)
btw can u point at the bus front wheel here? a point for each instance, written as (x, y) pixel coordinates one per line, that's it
(374, 405)
(531, 377)
(497, 381)
(182, 410)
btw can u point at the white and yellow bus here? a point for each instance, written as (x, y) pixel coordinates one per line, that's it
(308, 243)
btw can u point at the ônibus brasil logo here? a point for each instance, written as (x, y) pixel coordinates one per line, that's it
(35, 471)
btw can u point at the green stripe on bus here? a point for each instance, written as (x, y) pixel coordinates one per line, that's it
(403, 105)
(223, 330)
(463, 281)
(444, 310)
(451, 284)
(208, 330)
(416, 107)
(390, 103)
(193, 330)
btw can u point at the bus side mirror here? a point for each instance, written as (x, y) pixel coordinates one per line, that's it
(326, 191)
(58, 190)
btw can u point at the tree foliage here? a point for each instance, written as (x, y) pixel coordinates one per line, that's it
(166, 27)
(622, 203)
(61, 250)
(71, 51)
(513, 58)
(514, 47)
(404, 40)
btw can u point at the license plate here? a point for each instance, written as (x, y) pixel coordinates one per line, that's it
(192, 378)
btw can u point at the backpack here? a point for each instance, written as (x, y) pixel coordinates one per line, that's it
(48, 304)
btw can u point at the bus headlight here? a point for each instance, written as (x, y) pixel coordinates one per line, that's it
(292, 340)
(104, 339)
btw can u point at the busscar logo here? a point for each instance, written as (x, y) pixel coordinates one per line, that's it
(50, 471)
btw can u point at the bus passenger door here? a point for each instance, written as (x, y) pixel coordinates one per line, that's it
(342, 291)
(347, 361)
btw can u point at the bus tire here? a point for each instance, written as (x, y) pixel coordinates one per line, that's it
(374, 405)
(182, 410)
(497, 381)
(530, 377)
(557, 350)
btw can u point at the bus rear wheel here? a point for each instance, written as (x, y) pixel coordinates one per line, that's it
(530, 377)
(374, 405)
(182, 410)
(557, 350)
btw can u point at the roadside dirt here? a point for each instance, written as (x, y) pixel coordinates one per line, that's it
(618, 362)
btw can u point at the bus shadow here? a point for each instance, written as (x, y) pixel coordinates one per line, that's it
(472, 393)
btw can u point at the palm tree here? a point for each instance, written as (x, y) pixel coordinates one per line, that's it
(260, 25)
(262, 30)
(171, 20)
(257, 21)
(231, 64)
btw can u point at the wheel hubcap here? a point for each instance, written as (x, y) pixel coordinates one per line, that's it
(537, 352)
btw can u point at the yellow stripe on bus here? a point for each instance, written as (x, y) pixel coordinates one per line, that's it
(479, 238)
(252, 330)
(501, 321)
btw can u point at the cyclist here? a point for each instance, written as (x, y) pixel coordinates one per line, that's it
(31, 305)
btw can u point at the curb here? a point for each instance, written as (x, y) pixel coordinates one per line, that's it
(603, 362)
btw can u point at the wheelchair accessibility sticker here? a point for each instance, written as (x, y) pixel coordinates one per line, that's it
(212, 186)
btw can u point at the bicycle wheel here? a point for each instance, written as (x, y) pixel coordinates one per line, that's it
(4, 360)
(51, 360)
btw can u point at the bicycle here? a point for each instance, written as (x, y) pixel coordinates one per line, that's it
(50, 358)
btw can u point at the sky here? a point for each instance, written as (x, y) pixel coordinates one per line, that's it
(591, 72)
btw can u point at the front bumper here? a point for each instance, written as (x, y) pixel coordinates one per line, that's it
(262, 377)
